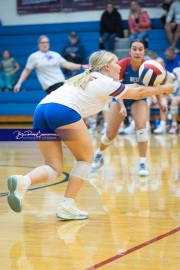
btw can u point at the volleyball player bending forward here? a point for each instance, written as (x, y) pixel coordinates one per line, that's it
(81, 96)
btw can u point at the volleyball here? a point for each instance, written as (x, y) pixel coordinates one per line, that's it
(152, 73)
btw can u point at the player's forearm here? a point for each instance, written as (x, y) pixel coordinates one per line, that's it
(24, 75)
(140, 92)
(149, 91)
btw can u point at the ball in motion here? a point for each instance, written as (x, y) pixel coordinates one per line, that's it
(152, 73)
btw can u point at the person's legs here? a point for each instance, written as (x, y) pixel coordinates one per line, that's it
(77, 139)
(105, 41)
(18, 184)
(174, 111)
(169, 28)
(176, 36)
(7, 82)
(1, 80)
(163, 116)
(81, 147)
(111, 42)
(139, 111)
(142, 35)
(105, 113)
(75, 135)
(92, 122)
(114, 121)
(150, 101)
(132, 37)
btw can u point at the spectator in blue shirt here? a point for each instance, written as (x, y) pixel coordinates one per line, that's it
(172, 60)
(73, 52)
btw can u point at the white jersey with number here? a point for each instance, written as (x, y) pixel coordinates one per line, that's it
(90, 100)
(47, 66)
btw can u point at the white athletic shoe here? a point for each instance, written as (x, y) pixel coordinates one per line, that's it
(160, 130)
(93, 129)
(130, 129)
(98, 161)
(121, 129)
(143, 171)
(173, 129)
(70, 212)
(17, 191)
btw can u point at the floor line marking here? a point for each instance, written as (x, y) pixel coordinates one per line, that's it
(133, 249)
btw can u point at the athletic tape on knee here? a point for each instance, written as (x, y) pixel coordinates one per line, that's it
(105, 140)
(52, 173)
(142, 135)
(81, 170)
(174, 109)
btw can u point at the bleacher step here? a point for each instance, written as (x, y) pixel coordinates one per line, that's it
(123, 43)
(121, 53)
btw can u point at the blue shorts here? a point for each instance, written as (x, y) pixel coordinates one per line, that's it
(129, 102)
(54, 115)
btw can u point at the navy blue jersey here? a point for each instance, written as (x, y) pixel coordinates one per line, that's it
(128, 76)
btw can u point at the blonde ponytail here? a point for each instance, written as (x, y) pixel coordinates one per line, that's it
(80, 80)
(97, 61)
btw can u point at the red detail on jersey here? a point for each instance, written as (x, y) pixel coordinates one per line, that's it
(155, 69)
(123, 63)
(118, 91)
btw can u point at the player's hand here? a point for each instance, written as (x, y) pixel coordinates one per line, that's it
(85, 66)
(163, 108)
(123, 111)
(167, 88)
(17, 87)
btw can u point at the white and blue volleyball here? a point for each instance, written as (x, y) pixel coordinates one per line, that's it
(152, 73)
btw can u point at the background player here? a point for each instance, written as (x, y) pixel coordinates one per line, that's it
(118, 110)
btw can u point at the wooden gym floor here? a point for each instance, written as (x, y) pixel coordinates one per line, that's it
(134, 221)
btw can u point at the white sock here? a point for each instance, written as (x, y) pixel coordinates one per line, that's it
(98, 151)
(142, 160)
(163, 123)
(27, 181)
(67, 201)
(174, 123)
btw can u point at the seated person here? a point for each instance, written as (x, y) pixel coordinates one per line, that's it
(166, 7)
(175, 99)
(139, 22)
(172, 60)
(173, 28)
(167, 100)
(111, 29)
(73, 52)
(9, 67)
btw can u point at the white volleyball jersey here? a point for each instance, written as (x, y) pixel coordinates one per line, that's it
(90, 100)
(47, 66)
